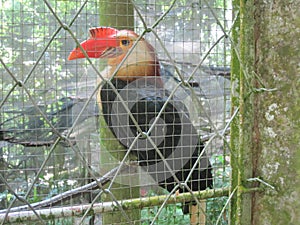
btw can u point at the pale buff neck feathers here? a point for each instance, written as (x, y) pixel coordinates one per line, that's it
(140, 63)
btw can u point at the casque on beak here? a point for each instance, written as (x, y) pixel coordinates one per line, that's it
(102, 41)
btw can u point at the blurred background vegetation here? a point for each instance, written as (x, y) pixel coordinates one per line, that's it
(34, 48)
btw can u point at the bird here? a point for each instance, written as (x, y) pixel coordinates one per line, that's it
(154, 124)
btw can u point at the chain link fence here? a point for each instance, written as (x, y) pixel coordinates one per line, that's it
(56, 166)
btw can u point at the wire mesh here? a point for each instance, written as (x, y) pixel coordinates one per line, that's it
(60, 163)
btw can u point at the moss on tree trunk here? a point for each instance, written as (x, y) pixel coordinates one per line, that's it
(267, 36)
(241, 127)
(277, 57)
(117, 14)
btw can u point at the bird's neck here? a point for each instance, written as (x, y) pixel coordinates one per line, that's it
(133, 71)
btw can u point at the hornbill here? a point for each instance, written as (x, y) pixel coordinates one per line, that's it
(167, 146)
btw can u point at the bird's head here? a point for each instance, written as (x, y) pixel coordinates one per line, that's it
(113, 45)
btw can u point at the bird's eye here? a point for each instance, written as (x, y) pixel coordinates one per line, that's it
(125, 42)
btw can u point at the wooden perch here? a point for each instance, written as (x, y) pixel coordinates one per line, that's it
(104, 207)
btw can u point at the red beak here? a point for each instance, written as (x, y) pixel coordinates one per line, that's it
(101, 39)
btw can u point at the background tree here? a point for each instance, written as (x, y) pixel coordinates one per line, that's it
(120, 15)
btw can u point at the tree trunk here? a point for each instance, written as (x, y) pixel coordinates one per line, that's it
(269, 100)
(241, 127)
(117, 14)
(277, 57)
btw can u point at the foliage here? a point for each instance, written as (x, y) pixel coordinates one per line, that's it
(221, 176)
(170, 214)
(35, 54)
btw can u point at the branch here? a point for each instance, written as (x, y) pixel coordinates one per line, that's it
(28, 143)
(104, 207)
(71, 193)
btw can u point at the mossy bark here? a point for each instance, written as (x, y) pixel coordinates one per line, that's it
(277, 57)
(234, 128)
(125, 186)
(242, 125)
(266, 135)
(117, 13)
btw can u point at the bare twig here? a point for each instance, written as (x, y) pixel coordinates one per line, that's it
(71, 193)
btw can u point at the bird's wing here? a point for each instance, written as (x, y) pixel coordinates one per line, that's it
(159, 132)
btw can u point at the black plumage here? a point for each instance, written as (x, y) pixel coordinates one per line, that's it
(171, 133)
